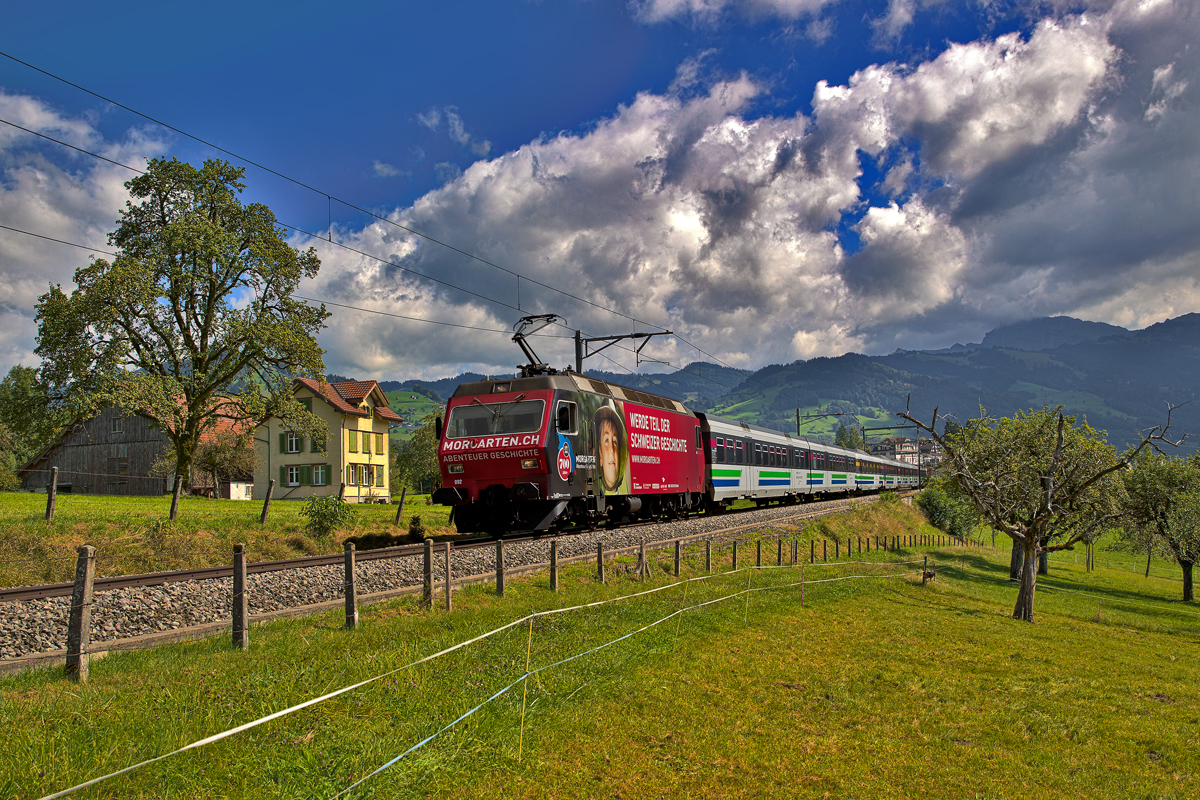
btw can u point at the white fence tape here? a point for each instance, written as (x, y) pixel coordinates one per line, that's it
(425, 659)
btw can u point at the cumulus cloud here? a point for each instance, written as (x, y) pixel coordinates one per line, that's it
(1004, 158)
(1017, 176)
(58, 193)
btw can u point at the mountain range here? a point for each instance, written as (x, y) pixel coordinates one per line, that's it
(1120, 380)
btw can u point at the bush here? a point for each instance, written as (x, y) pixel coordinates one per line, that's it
(946, 512)
(326, 514)
(416, 530)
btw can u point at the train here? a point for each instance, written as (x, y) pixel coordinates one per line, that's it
(549, 450)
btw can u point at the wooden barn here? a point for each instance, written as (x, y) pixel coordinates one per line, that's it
(111, 453)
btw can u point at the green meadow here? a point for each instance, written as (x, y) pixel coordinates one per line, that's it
(865, 683)
(133, 535)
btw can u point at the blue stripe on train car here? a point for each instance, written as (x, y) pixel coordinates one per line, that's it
(839, 482)
(774, 482)
(726, 481)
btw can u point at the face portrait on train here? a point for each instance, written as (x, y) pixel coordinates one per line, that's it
(610, 448)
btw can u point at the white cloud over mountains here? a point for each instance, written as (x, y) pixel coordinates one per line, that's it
(918, 204)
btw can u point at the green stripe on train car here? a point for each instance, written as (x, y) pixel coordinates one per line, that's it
(726, 473)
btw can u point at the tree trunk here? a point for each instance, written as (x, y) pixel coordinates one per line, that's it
(1024, 608)
(1149, 553)
(175, 495)
(1187, 580)
(1044, 564)
(1015, 562)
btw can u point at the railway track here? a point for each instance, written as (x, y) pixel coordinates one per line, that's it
(403, 551)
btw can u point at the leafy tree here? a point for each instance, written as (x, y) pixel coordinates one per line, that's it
(1154, 488)
(947, 510)
(8, 460)
(32, 418)
(220, 456)
(416, 465)
(194, 320)
(1043, 479)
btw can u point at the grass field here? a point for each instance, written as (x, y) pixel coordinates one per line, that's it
(872, 688)
(133, 534)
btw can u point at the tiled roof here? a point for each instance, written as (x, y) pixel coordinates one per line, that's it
(388, 414)
(333, 397)
(353, 392)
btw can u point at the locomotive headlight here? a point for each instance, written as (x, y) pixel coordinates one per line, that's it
(529, 463)
(456, 469)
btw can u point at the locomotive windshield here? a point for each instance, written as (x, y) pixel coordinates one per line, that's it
(490, 419)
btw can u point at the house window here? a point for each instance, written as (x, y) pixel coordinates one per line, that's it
(353, 441)
(293, 476)
(316, 445)
(118, 424)
(118, 466)
(320, 475)
(293, 443)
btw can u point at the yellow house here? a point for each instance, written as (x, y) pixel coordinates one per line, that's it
(356, 453)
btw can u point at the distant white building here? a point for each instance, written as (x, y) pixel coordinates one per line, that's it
(898, 448)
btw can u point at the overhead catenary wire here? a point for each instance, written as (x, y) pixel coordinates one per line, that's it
(330, 198)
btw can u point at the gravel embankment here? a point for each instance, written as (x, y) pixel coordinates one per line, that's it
(36, 626)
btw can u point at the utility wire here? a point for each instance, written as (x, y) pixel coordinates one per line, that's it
(329, 196)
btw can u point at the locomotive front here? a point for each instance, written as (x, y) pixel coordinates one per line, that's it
(494, 455)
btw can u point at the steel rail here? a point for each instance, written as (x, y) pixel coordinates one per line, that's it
(50, 590)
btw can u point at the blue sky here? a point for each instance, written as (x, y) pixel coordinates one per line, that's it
(776, 179)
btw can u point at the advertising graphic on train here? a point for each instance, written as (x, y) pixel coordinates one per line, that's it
(612, 450)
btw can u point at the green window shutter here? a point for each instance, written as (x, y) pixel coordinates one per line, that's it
(350, 475)
(306, 475)
(283, 443)
(366, 443)
(316, 445)
(283, 476)
(353, 441)
(379, 443)
(307, 403)
(379, 476)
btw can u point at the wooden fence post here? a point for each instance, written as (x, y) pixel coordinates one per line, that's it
(824, 549)
(400, 509)
(708, 555)
(643, 567)
(837, 549)
(812, 552)
(79, 623)
(350, 592)
(735, 555)
(758, 553)
(427, 587)
(500, 567)
(51, 494)
(241, 636)
(600, 561)
(779, 554)
(554, 565)
(924, 569)
(449, 587)
(677, 546)
(262, 520)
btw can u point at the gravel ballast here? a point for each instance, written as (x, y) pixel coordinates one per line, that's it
(38, 626)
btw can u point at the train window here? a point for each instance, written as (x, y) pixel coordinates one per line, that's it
(699, 441)
(719, 451)
(739, 451)
(490, 419)
(565, 417)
